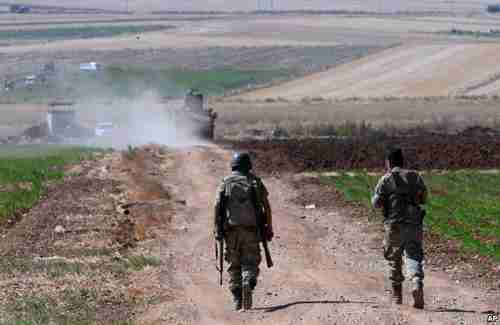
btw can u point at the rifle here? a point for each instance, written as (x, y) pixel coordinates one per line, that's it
(219, 249)
(261, 222)
(220, 259)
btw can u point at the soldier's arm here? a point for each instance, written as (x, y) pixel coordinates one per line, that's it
(422, 193)
(264, 195)
(379, 194)
(217, 206)
(268, 212)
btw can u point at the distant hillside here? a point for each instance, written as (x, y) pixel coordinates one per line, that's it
(245, 5)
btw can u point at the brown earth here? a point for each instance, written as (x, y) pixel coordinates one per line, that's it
(79, 251)
(328, 269)
(328, 265)
(469, 149)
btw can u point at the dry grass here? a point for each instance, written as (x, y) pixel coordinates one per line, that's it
(247, 119)
(82, 273)
(409, 70)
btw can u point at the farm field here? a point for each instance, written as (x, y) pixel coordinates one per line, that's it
(23, 170)
(30, 20)
(81, 274)
(240, 119)
(171, 72)
(291, 29)
(475, 221)
(124, 236)
(370, 5)
(196, 43)
(406, 71)
(75, 32)
(23, 29)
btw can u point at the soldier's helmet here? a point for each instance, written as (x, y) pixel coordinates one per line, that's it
(395, 157)
(241, 162)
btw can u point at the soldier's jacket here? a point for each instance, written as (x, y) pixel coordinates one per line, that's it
(400, 192)
(235, 190)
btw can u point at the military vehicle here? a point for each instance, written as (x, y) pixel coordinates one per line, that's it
(19, 9)
(197, 111)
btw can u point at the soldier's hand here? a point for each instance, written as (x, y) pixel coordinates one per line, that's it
(269, 233)
(218, 236)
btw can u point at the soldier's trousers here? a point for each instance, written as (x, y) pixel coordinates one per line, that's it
(243, 257)
(401, 238)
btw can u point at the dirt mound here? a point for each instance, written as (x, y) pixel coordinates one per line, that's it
(473, 148)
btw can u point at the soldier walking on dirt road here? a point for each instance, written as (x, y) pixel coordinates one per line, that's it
(400, 193)
(241, 201)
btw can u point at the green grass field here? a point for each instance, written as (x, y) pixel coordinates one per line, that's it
(132, 82)
(80, 32)
(463, 205)
(24, 169)
(167, 82)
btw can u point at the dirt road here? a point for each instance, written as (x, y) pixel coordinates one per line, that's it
(328, 267)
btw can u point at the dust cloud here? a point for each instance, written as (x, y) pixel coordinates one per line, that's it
(143, 120)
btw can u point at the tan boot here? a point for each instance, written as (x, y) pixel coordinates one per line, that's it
(247, 297)
(418, 297)
(397, 294)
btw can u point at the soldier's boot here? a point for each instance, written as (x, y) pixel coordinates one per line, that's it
(237, 299)
(397, 294)
(418, 296)
(247, 297)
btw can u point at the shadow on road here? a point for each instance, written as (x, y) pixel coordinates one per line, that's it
(452, 310)
(458, 310)
(284, 306)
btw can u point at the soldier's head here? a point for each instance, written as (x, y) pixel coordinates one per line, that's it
(394, 158)
(241, 162)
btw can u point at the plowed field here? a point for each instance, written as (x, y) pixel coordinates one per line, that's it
(414, 71)
(466, 150)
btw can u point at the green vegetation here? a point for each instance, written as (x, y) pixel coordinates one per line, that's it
(133, 82)
(216, 82)
(463, 205)
(137, 263)
(79, 32)
(52, 268)
(79, 308)
(170, 82)
(24, 169)
(131, 152)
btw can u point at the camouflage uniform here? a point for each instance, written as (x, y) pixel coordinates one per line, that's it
(400, 193)
(240, 230)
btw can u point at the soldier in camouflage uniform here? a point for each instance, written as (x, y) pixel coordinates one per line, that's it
(240, 228)
(400, 192)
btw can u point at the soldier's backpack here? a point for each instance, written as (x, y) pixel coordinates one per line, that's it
(238, 192)
(402, 202)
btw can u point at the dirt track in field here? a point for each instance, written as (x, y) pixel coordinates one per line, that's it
(329, 268)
